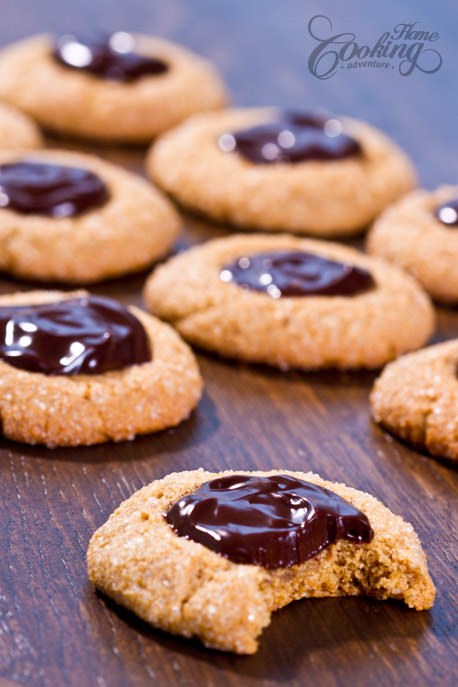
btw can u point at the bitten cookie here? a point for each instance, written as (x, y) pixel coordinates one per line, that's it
(270, 169)
(17, 130)
(79, 370)
(420, 234)
(71, 217)
(147, 558)
(416, 398)
(119, 87)
(293, 302)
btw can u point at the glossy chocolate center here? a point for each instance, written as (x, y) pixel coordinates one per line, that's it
(108, 56)
(52, 190)
(275, 521)
(297, 273)
(448, 213)
(87, 335)
(294, 137)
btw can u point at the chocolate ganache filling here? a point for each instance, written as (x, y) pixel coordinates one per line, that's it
(294, 137)
(53, 190)
(275, 521)
(297, 273)
(108, 56)
(87, 335)
(448, 213)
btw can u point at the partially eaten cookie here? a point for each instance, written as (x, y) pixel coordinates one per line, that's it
(211, 555)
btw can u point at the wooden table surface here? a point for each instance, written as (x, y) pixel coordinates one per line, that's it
(55, 631)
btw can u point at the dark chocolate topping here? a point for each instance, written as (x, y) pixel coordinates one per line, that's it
(53, 190)
(87, 335)
(275, 521)
(108, 56)
(448, 213)
(297, 273)
(302, 118)
(294, 137)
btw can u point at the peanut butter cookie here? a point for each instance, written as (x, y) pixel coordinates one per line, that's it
(17, 130)
(416, 398)
(293, 302)
(109, 87)
(274, 170)
(79, 370)
(70, 217)
(287, 536)
(420, 234)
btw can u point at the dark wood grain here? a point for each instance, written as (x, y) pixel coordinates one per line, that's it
(55, 631)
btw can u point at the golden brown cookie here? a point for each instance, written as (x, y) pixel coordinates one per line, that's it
(84, 409)
(416, 398)
(75, 102)
(411, 234)
(359, 331)
(319, 197)
(132, 226)
(185, 588)
(17, 130)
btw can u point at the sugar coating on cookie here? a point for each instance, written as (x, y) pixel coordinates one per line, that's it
(75, 102)
(360, 331)
(330, 197)
(17, 130)
(416, 398)
(134, 227)
(86, 409)
(185, 588)
(411, 235)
